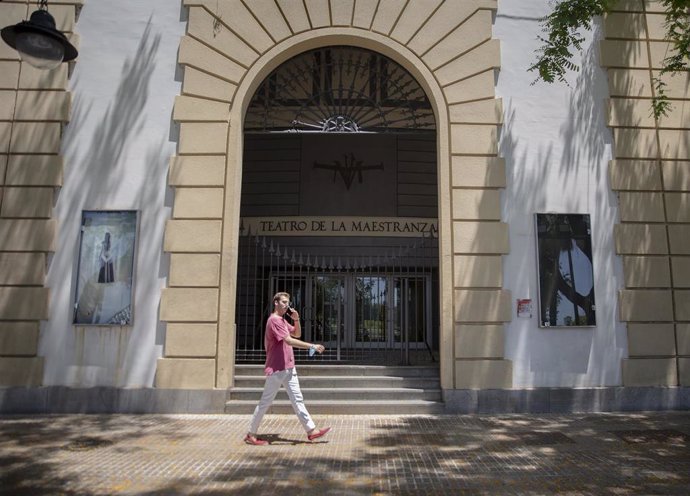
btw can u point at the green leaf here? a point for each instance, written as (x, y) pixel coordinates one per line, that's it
(563, 28)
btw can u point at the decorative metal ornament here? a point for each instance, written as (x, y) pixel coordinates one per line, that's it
(340, 89)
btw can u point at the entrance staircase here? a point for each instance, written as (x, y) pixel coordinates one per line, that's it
(345, 390)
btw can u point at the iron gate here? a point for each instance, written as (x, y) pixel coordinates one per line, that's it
(364, 308)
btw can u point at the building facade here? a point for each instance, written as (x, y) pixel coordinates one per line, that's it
(391, 155)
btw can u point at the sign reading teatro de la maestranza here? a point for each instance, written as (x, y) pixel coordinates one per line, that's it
(340, 226)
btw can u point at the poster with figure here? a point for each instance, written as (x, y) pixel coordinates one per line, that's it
(566, 270)
(105, 272)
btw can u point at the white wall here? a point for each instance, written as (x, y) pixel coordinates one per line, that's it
(557, 149)
(116, 150)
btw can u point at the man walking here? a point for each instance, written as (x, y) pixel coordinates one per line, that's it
(279, 340)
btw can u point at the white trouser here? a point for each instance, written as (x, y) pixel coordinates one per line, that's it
(287, 378)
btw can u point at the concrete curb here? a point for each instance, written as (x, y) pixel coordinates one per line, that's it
(61, 399)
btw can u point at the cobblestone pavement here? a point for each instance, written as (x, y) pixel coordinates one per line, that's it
(631, 453)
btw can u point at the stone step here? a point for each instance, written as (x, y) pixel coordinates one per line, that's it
(317, 394)
(344, 389)
(340, 382)
(350, 370)
(347, 370)
(343, 407)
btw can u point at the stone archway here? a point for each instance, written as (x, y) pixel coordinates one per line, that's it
(227, 52)
(280, 53)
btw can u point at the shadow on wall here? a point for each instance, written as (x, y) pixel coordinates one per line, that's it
(96, 177)
(599, 143)
(580, 160)
(122, 121)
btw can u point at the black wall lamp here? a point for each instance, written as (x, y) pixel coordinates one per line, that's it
(38, 41)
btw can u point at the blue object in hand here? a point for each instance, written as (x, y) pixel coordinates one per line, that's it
(312, 350)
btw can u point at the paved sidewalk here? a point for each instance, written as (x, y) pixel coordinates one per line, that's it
(631, 453)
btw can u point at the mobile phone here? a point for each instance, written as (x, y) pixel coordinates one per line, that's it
(288, 312)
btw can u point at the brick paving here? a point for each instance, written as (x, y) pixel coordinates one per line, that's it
(617, 454)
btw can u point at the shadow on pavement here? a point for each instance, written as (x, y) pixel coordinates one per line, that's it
(645, 453)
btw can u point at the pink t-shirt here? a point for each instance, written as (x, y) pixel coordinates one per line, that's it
(279, 354)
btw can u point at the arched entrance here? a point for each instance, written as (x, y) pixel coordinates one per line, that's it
(451, 53)
(339, 207)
